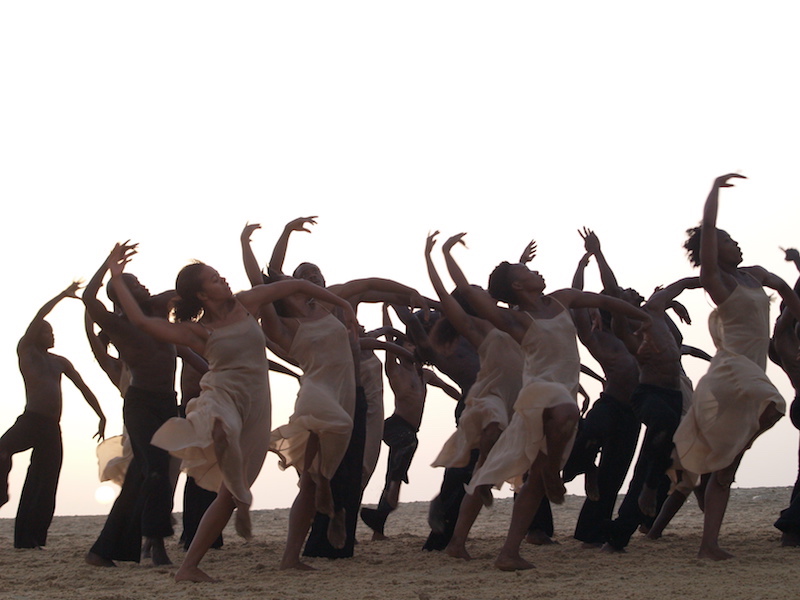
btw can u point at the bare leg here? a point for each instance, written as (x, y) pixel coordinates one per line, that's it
(302, 512)
(669, 509)
(467, 513)
(559, 425)
(211, 525)
(525, 506)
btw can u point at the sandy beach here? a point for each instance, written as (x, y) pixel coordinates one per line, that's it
(398, 569)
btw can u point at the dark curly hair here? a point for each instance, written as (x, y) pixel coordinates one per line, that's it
(188, 307)
(692, 244)
(500, 284)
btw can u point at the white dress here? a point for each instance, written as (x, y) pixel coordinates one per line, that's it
(326, 400)
(490, 400)
(235, 391)
(550, 378)
(730, 398)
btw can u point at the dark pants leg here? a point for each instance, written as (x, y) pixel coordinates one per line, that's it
(659, 410)
(789, 520)
(346, 488)
(448, 503)
(37, 501)
(612, 428)
(196, 501)
(144, 505)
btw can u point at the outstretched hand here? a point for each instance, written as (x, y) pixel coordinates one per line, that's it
(248, 230)
(528, 253)
(300, 223)
(590, 240)
(71, 290)
(722, 181)
(101, 430)
(430, 242)
(791, 254)
(120, 256)
(456, 239)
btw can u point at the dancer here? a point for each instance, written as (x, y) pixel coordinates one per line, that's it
(223, 439)
(144, 505)
(541, 432)
(38, 426)
(610, 427)
(489, 404)
(734, 402)
(409, 382)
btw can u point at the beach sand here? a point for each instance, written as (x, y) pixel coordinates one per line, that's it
(397, 569)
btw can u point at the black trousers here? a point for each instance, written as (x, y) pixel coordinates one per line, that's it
(659, 409)
(346, 489)
(612, 429)
(144, 505)
(37, 503)
(789, 521)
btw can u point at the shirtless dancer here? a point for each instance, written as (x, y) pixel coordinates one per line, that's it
(785, 352)
(144, 505)
(38, 427)
(409, 382)
(657, 402)
(610, 427)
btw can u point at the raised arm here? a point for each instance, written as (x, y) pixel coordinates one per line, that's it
(378, 289)
(529, 253)
(29, 337)
(772, 281)
(592, 245)
(712, 277)
(464, 323)
(481, 301)
(279, 252)
(577, 279)
(248, 258)
(181, 334)
(111, 366)
(664, 297)
(91, 400)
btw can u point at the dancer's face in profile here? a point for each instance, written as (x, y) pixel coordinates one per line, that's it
(631, 296)
(213, 286)
(728, 251)
(310, 272)
(527, 279)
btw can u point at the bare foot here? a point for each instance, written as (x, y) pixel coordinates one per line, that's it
(337, 529)
(193, 574)
(648, 501)
(98, 561)
(537, 537)
(553, 486)
(644, 529)
(457, 551)
(790, 540)
(377, 536)
(512, 563)
(590, 485)
(609, 549)
(713, 553)
(297, 565)
(158, 552)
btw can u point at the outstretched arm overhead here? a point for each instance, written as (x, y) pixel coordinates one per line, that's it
(592, 244)
(716, 282)
(279, 252)
(464, 323)
(34, 327)
(254, 274)
(378, 289)
(481, 301)
(664, 298)
(529, 253)
(577, 279)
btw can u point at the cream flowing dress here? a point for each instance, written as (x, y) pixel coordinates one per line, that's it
(326, 400)
(730, 398)
(550, 378)
(235, 391)
(490, 400)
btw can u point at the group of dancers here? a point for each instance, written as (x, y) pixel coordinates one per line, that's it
(510, 352)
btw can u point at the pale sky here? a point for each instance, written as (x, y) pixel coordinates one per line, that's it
(173, 124)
